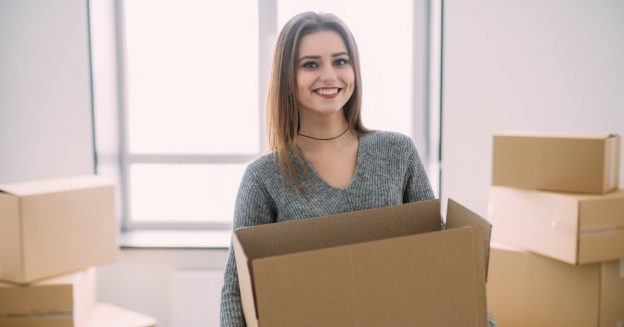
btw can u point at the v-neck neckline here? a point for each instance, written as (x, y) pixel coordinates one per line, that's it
(356, 173)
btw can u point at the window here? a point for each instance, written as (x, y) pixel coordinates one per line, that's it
(192, 116)
(194, 81)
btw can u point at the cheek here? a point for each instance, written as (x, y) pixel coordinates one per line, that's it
(348, 77)
(302, 83)
(350, 81)
(351, 76)
(301, 94)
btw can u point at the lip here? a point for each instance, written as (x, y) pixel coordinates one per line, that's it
(328, 96)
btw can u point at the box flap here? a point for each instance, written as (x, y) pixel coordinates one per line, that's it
(329, 231)
(245, 282)
(460, 216)
(54, 185)
(430, 279)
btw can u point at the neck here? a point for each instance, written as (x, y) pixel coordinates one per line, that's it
(325, 139)
(323, 126)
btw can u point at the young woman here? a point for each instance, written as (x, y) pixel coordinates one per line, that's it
(323, 160)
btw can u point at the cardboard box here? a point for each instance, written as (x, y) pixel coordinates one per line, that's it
(584, 164)
(571, 227)
(55, 226)
(66, 301)
(526, 289)
(389, 266)
(108, 315)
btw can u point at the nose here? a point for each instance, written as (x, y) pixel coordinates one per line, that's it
(328, 73)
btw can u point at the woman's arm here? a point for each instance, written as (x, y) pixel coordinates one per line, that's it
(253, 207)
(416, 186)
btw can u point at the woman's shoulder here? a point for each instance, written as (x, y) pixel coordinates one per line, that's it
(387, 140)
(263, 165)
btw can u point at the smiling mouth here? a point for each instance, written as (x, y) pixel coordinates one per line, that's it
(328, 92)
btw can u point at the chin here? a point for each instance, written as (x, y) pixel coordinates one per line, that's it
(328, 111)
(323, 109)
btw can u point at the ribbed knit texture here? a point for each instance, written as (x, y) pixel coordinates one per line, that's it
(388, 172)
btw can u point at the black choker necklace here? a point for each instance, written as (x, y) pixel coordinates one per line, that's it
(331, 138)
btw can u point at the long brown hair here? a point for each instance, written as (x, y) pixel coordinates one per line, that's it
(282, 108)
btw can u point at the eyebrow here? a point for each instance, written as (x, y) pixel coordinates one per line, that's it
(337, 54)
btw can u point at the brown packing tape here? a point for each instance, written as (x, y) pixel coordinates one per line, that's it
(56, 321)
(604, 230)
(36, 315)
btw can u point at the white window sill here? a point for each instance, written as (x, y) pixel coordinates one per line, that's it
(175, 239)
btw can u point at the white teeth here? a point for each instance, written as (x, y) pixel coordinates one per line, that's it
(327, 91)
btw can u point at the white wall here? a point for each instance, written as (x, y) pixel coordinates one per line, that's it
(45, 93)
(553, 65)
(180, 288)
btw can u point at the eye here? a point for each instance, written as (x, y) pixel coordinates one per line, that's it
(309, 65)
(341, 62)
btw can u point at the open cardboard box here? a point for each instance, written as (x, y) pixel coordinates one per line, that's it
(390, 266)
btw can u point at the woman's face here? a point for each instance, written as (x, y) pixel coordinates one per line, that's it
(325, 76)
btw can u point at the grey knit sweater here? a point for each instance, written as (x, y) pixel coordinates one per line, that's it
(388, 172)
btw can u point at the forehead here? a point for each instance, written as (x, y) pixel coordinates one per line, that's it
(323, 42)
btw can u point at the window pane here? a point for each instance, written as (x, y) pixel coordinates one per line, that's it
(184, 193)
(192, 76)
(385, 54)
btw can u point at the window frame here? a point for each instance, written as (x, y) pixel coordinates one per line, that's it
(423, 114)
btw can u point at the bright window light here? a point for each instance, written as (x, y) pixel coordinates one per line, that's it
(184, 193)
(192, 76)
(192, 106)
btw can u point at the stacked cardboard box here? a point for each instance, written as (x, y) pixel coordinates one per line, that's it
(52, 233)
(556, 199)
(67, 300)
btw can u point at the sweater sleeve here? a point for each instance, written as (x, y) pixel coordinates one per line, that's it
(416, 184)
(253, 207)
